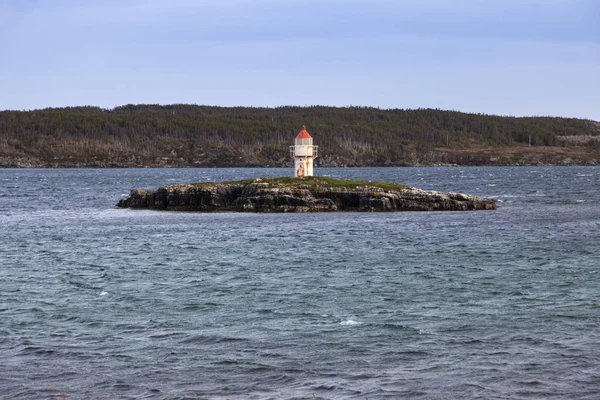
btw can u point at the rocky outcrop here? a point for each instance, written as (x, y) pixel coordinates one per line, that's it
(301, 195)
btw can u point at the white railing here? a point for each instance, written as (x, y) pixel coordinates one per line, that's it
(304, 151)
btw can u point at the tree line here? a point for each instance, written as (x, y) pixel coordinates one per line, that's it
(195, 135)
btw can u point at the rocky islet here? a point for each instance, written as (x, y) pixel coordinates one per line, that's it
(309, 194)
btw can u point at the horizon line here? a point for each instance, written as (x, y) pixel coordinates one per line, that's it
(294, 105)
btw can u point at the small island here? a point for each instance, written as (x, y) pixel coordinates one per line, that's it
(305, 194)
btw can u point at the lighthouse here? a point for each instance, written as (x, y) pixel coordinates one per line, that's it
(303, 152)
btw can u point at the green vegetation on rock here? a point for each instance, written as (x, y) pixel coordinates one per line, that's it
(311, 182)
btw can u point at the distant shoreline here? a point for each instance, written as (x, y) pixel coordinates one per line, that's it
(184, 135)
(19, 164)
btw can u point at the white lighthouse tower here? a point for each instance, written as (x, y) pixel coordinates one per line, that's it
(303, 152)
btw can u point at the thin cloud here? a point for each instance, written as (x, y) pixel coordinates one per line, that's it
(244, 20)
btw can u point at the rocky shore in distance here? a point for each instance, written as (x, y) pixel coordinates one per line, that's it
(509, 156)
(309, 194)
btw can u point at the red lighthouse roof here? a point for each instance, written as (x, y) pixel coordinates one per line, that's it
(303, 134)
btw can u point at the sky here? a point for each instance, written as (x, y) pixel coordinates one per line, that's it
(503, 57)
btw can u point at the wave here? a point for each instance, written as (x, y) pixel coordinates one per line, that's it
(350, 322)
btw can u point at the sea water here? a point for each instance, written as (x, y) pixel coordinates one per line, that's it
(98, 302)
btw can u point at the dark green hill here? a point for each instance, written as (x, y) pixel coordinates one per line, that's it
(191, 135)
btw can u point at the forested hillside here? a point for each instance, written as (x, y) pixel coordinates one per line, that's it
(205, 136)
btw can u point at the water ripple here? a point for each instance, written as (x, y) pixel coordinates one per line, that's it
(105, 303)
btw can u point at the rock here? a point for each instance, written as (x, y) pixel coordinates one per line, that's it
(309, 194)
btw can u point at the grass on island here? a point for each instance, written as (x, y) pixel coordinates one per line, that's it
(316, 181)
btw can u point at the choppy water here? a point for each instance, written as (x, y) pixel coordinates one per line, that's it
(100, 303)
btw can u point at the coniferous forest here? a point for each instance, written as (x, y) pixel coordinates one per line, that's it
(183, 135)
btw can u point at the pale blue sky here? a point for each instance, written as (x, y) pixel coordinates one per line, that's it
(507, 57)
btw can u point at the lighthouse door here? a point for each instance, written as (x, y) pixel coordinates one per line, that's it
(300, 171)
